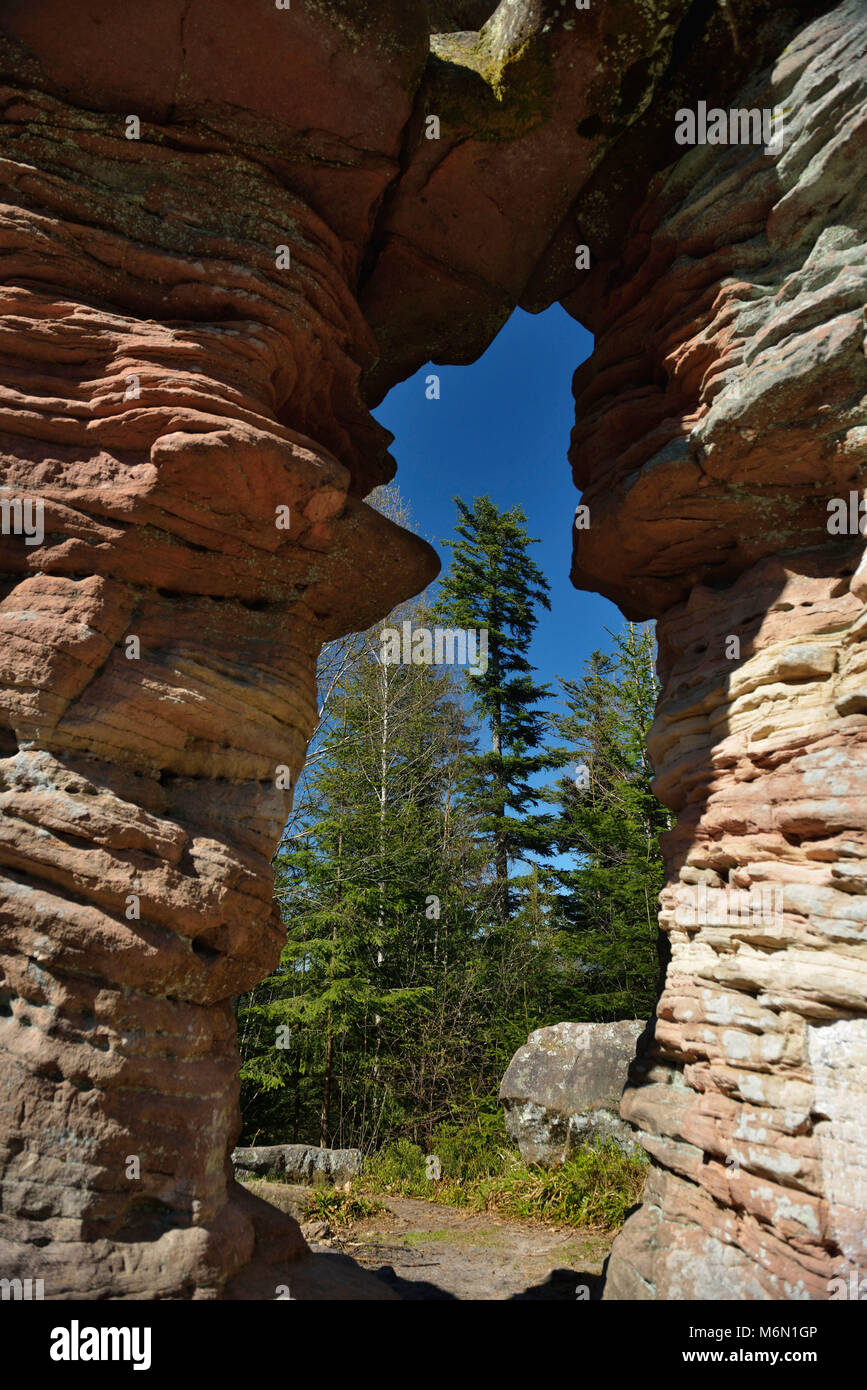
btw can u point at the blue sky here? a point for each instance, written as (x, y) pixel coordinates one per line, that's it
(502, 426)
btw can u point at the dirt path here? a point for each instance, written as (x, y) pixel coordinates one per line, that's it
(425, 1251)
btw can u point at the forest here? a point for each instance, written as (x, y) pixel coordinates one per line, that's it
(471, 855)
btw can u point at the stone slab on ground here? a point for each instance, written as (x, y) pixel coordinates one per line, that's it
(302, 1163)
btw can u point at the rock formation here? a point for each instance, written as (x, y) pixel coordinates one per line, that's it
(563, 1088)
(176, 401)
(225, 233)
(299, 1163)
(744, 279)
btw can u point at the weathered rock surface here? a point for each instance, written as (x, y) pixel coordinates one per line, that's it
(551, 123)
(300, 1163)
(725, 409)
(168, 393)
(193, 323)
(563, 1088)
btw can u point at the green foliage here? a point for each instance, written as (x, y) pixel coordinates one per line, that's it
(429, 927)
(495, 585)
(470, 1152)
(610, 822)
(466, 1152)
(595, 1187)
(377, 878)
(340, 1208)
(398, 1167)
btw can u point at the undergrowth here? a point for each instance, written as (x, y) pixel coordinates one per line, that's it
(595, 1187)
(340, 1208)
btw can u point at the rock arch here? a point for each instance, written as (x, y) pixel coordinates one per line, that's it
(171, 379)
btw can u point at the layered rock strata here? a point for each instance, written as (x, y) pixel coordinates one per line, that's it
(158, 663)
(733, 371)
(224, 231)
(752, 1103)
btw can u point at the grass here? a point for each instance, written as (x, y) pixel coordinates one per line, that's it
(340, 1208)
(594, 1189)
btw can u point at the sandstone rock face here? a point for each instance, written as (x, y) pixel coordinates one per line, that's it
(551, 122)
(301, 1163)
(752, 1101)
(563, 1088)
(176, 403)
(224, 234)
(744, 281)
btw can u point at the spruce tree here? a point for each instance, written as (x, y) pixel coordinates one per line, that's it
(493, 583)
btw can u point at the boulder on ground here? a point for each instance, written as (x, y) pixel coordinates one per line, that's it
(304, 1163)
(563, 1087)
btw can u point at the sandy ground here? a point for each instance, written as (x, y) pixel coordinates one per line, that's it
(425, 1251)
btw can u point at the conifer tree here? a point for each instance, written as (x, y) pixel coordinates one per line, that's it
(375, 879)
(493, 583)
(610, 821)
